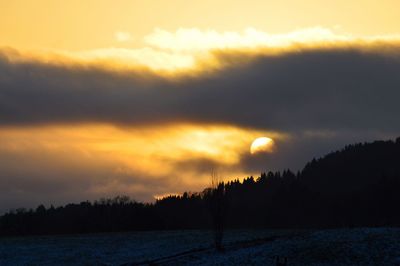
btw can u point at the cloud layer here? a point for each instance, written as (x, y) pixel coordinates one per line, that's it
(317, 89)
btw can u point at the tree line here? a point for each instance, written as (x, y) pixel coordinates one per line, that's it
(356, 186)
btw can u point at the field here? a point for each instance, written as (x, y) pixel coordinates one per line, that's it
(361, 246)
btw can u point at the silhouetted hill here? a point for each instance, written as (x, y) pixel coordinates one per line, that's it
(354, 168)
(356, 186)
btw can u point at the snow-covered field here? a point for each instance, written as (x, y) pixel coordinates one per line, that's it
(363, 246)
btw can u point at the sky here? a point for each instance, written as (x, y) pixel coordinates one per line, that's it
(147, 98)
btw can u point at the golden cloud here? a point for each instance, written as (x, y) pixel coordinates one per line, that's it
(192, 49)
(140, 151)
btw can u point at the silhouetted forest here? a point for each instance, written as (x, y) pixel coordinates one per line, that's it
(356, 186)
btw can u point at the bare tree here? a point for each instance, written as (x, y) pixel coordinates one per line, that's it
(217, 206)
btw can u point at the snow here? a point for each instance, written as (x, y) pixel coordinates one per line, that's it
(360, 246)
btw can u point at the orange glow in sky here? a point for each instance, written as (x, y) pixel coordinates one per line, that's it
(54, 47)
(154, 34)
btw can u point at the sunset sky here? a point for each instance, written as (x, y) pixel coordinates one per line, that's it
(100, 98)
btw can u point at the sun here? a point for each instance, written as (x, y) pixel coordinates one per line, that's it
(262, 144)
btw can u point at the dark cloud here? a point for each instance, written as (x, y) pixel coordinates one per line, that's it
(199, 165)
(329, 89)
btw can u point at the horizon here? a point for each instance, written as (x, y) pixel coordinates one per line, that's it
(156, 198)
(99, 99)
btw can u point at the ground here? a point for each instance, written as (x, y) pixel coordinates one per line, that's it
(360, 246)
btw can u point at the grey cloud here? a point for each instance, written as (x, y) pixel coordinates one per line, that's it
(325, 89)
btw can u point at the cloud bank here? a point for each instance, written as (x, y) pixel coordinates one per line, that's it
(317, 89)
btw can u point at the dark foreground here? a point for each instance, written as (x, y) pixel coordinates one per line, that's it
(361, 246)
